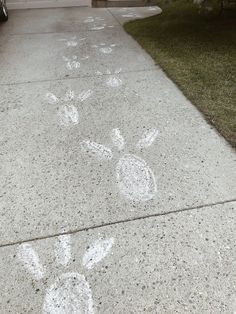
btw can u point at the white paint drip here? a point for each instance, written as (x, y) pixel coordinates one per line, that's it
(52, 99)
(85, 95)
(96, 252)
(99, 150)
(135, 179)
(117, 139)
(113, 81)
(70, 294)
(148, 138)
(30, 260)
(68, 114)
(63, 250)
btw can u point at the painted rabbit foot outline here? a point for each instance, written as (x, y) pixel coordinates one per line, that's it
(70, 293)
(103, 48)
(135, 179)
(112, 80)
(67, 113)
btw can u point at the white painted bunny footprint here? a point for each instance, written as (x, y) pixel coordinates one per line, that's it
(105, 49)
(72, 63)
(67, 113)
(72, 41)
(112, 80)
(70, 293)
(135, 179)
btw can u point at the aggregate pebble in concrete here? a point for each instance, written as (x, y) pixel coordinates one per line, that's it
(49, 184)
(178, 263)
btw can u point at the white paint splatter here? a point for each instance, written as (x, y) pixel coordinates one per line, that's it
(96, 252)
(117, 139)
(85, 95)
(68, 114)
(113, 81)
(135, 179)
(148, 138)
(52, 99)
(99, 150)
(30, 260)
(70, 294)
(63, 250)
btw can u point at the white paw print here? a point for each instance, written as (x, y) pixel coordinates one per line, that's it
(135, 179)
(113, 80)
(67, 112)
(103, 48)
(93, 19)
(72, 41)
(72, 63)
(70, 293)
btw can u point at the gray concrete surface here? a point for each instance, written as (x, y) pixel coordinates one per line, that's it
(105, 142)
(179, 263)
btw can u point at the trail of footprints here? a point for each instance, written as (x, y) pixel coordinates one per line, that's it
(71, 293)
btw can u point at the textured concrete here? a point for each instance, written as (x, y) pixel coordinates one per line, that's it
(57, 20)
(96, 140)
(180, 263)
(36, 57)
(51, 185)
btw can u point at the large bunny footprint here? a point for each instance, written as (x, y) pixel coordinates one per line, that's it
(68, 113)
(70, 293)
(135, 179)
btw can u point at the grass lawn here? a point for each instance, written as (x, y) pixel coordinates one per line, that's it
(199, 54)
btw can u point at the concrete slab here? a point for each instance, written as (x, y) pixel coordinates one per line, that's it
(37, 57)
(124, 15)
(57, 20)
(178, 263)
(54, 178)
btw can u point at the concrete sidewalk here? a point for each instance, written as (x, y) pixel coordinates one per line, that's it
(115, 195)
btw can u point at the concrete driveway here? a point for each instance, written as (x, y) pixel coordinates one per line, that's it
(115, 195)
